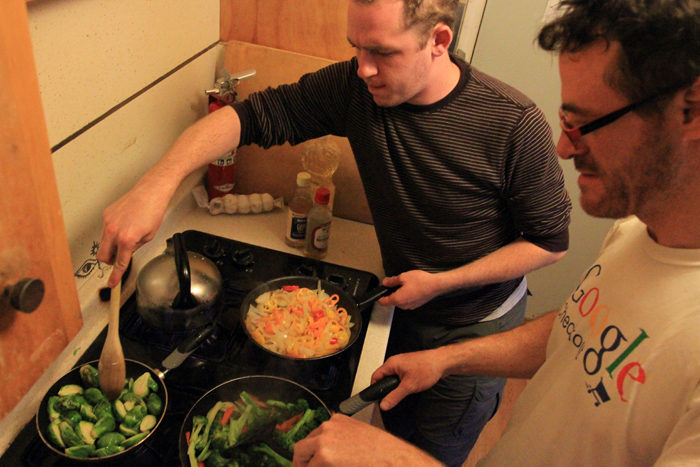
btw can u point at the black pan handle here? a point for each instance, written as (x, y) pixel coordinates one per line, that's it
(368, 396)
(374, 295)
(184, 299)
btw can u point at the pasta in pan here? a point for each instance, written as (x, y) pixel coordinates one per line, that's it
(299, 322)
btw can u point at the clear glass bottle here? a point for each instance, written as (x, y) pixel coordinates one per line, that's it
(298, 211)
(318, 227)
(321, 158)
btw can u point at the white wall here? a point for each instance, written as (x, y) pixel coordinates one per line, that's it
(129, 76)
(506, 49)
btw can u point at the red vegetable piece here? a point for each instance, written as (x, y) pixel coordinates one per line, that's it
(227, 415)
(290, 288)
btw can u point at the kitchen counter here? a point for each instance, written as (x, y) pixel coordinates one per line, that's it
(352, 244)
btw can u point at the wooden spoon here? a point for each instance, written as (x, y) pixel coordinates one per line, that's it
(111, 367)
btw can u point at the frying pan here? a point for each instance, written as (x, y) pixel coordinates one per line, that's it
(134, 369)
(272, 387)
(346, 301)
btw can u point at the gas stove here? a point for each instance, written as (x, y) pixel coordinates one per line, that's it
(225, 353)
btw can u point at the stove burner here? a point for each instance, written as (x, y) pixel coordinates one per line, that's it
(214, 347)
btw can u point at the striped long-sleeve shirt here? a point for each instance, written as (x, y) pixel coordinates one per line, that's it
(446, 183)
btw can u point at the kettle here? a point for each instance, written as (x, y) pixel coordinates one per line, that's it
(178, 290)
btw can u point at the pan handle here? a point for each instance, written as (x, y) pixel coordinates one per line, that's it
(375, 294)
(368, 396)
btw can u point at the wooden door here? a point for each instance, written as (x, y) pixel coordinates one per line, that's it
(33, 241)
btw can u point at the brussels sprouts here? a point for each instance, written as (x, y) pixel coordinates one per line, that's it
(102, 409)
(68, 434)
(89, 375)
(130, 441)
(154, 404)
(88, 413)
(108, 450)
(135, 415)
(119, 410)
(94, 395)
(66, 404)
(109, 439)
(85, 432)
(103, 425)
(70, 389)
(54, 433)
(143, 384)
(132, 400)
(51, 408)
(148, 422)
(72, 417)
(81, 450)
(128, 430)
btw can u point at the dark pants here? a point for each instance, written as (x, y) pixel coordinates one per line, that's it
(446, 420)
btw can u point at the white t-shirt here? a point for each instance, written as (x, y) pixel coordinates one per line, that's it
(621, 382)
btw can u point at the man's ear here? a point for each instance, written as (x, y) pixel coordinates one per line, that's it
(441, 39)
(691, 111)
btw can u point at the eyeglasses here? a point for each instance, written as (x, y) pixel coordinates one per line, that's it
(575, 133)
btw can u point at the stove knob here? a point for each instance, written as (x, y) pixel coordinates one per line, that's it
(306, 270)
(213, 249)
(243, 258)
(337, 280)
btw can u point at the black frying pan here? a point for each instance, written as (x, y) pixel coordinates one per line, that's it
(134, 369)
(273, 387)
(346, 301)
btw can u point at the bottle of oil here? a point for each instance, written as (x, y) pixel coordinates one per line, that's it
(318, 227)
(298, 210)
(321, 158)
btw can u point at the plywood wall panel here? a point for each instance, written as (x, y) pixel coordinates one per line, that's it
(312, 27)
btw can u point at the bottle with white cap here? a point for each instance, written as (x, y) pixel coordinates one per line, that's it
(298, 211)
(318, 226)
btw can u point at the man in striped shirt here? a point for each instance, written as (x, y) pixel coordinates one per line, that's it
(461, 178)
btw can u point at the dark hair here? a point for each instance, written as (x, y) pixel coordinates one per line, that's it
(660, 40)
(424, 14)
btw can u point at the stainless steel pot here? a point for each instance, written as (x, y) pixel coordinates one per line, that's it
(178, 290)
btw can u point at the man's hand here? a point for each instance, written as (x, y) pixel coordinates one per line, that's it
(416, 288)
(417, 371)
(343, 441)
(128, 223)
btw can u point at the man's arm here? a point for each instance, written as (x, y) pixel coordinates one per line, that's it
(508, 262)
(134, 218)
(517, 353)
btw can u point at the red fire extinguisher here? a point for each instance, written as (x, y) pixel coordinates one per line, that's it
(221, 174)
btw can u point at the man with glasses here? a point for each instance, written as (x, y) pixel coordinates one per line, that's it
(615, 373)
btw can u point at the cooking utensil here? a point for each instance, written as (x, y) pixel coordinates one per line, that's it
(178, 290)
(111, 367)
(345, 300)
(281, 389)
(134, 369)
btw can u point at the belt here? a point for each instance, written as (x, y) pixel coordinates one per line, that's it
(510, 302)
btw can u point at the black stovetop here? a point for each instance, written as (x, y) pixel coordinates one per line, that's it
(226, 354)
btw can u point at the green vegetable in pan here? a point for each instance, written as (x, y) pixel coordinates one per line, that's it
(251, 432)
(85, 424)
